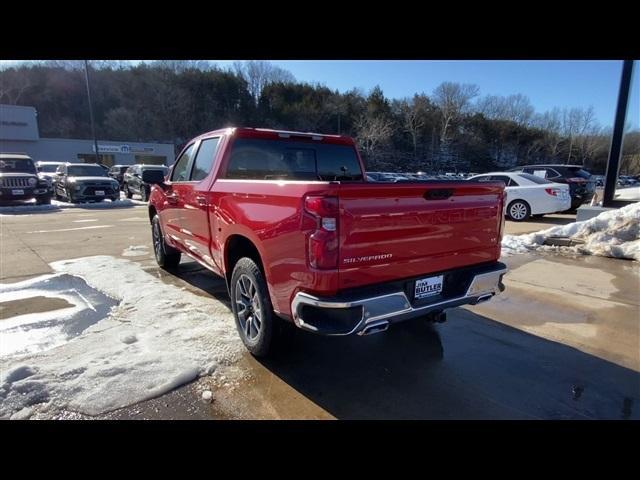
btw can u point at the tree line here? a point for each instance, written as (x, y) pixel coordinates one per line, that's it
(452, 128)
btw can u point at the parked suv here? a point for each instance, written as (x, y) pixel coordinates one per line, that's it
(133, 182)
(117, 173)
(301, 238)
(581, 186)
(77, 182)
(19, 180)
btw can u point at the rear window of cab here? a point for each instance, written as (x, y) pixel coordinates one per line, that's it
(260, 159)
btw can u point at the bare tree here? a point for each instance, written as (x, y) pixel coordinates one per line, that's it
(259, 74)
(412, 114)
(550, 123)
(372, 133)
(10, 94)
(453, 99)
(515, 108)
(576, 122)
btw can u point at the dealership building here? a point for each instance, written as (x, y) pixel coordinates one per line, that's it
(19, 134)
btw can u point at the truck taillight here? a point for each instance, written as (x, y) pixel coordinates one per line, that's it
(323, 242)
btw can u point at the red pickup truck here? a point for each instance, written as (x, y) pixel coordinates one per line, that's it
(300, 235)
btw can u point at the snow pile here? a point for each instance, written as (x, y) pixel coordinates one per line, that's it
(614, 233)
(158, 337)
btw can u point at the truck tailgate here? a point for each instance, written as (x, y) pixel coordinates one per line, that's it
(393, 231)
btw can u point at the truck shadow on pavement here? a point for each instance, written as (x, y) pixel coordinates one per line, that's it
(468, 368)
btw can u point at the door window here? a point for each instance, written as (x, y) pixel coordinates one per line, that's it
(204, 159)
(179, 173)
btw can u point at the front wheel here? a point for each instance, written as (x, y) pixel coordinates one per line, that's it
(519, 211)
(257, 325)
(143, 194)
(166, 256)
(128, 192)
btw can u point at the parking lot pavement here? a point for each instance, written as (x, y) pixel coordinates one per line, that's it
(31, 241)
(561, 342)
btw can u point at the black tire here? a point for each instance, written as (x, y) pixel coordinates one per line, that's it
(166, 256)
(257, 324)
(43, 201)
(127, 192)
(143, 194)
(69, 197)
(519, 211)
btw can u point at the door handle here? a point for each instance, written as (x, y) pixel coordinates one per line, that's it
(201, 199)
(172, 198)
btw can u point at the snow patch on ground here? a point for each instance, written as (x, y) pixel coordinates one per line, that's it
(158, 338)
(135, 251)
(614, 233)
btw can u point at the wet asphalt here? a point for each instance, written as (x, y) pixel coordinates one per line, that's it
(483, 363)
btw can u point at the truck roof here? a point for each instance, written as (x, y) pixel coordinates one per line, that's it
(267, 133)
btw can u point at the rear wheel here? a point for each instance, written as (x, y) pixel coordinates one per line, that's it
(166, 256)
(259, 328)
(519, 211)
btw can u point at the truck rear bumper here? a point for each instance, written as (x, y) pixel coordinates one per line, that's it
(370, 312)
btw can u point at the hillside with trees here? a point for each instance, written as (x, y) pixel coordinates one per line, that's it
(453, 127)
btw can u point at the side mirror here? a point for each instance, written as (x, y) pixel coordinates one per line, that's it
(155, 177)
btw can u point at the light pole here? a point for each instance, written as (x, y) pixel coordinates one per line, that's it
(93, 128)
(617, 137)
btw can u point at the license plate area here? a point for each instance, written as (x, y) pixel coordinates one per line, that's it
(100, 193)
(428, 287)
(17, 191)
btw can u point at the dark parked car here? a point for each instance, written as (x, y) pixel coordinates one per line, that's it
(77, 182)
(133, 183)
(19, 180)
(581, 184)
(117, 173)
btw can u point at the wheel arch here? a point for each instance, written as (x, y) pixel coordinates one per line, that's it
(236, 247)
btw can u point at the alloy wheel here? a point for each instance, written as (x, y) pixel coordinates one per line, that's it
(518, 211)
(248, 307)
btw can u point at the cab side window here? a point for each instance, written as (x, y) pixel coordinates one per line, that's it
(204, 159)
(179, 173)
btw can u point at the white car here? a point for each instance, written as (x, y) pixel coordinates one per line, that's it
(529, 195)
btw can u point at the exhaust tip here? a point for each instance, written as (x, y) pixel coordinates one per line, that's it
(484, 298)
(377, 327)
